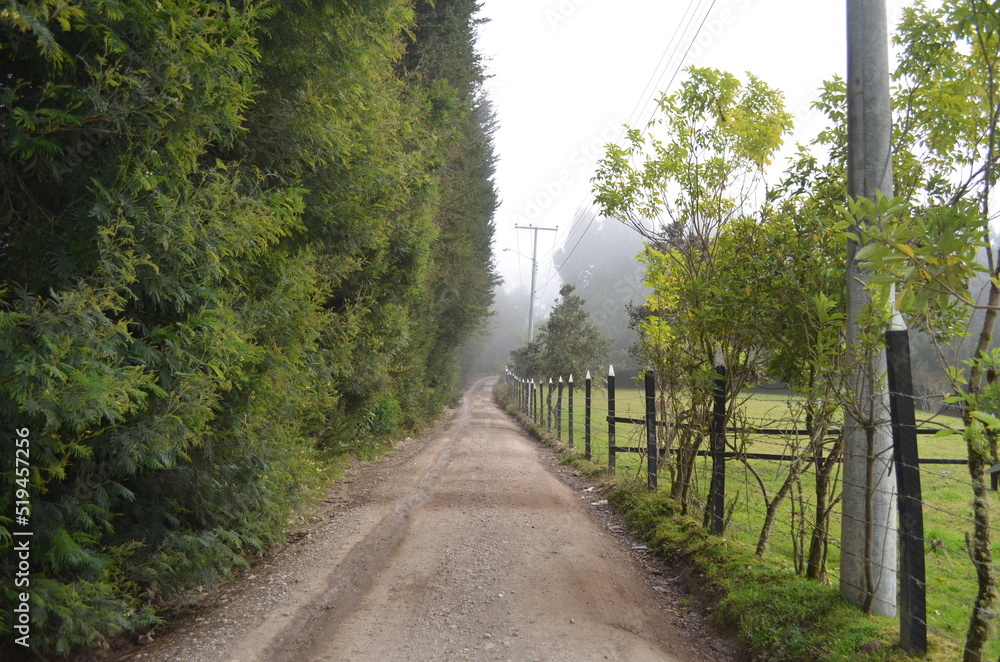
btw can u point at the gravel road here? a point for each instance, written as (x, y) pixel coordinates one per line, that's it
(470, 544)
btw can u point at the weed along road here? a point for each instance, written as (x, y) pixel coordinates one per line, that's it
(463, 546)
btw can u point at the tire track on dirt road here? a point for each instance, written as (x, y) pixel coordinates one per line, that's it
(356, 572)
(462, 546)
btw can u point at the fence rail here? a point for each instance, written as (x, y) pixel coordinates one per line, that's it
(533, 400)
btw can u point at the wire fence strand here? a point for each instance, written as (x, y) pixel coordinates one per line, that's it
(764, 453)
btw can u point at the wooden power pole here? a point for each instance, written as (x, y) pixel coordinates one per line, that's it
(868, 529)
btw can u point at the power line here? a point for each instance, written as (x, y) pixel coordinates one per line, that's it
(650, 89)
(688, 18)
(520, 280)
(687, 50)
(534, 268)
(647, 94)
(570, 254)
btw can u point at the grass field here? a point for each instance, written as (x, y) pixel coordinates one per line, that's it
(946, 489)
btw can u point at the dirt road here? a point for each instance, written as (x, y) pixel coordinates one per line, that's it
(463, 546)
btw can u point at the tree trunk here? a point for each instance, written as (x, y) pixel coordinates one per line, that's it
(772, 511)
(818, 544)
(979, 545)
(687, 456)
(982, 558)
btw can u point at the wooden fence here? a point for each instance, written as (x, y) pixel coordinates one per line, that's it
(536, 401)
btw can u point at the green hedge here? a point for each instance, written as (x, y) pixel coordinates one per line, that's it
(232, 239)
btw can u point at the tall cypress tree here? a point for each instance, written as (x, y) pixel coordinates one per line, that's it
(443, 63)
(227, 235)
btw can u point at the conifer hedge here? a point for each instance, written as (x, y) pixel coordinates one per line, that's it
(235, 237)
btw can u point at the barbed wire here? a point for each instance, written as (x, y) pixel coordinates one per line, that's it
(789, 540)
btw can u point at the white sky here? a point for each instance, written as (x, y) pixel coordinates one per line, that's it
(567, 74)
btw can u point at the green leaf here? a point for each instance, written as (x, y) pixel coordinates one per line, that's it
(991, 421)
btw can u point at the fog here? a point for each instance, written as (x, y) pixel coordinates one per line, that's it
(599, 258)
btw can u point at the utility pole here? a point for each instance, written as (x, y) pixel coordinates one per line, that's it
(534, 270)
(868, 529)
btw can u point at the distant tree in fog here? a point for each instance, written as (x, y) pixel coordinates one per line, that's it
(568, 343)
(599, 258)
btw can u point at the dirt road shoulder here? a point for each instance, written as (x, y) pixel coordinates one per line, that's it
(470, 543)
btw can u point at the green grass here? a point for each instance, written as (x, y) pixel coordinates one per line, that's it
(779, 617)
(947, 494)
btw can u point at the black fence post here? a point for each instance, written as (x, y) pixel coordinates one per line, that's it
(540, 402)
(543, 407)
(652, 455)
(559, 410)
(570, 396)
(719, 453)
(912, 589)
(532, 397)
(586, 415)
(527, 398)
(548, 406)
(611, 419)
